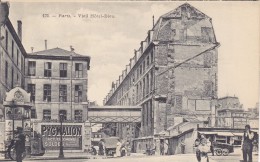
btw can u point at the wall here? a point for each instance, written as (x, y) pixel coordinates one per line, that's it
(55, 105)
(15, 62)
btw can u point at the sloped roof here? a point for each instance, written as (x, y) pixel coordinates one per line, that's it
(56, 52)
(190, 11)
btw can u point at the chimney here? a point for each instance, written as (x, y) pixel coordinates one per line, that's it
(45, 44)
(19, 29)
(153, 20)
(72, 49)
(32, 49)
(135, 56)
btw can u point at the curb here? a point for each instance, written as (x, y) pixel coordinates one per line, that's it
(55, 158)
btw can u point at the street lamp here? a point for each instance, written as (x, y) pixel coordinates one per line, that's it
(61, 155)
(13, 112)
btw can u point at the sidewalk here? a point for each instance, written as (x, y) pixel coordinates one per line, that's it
(55, 155)
(137, 157)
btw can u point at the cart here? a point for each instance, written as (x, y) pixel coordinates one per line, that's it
(223, 149)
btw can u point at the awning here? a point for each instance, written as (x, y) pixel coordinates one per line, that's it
(238, 134)
(217, 133)
(225, 134)
(208, 133)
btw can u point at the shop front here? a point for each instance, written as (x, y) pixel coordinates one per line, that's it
(75, 136)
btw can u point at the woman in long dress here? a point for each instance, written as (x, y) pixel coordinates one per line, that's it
(118, 148)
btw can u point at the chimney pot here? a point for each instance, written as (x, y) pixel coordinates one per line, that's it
(45, 44)
(19, 29)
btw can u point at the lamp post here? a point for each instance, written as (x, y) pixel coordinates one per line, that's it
(12, 114)
(61, 155)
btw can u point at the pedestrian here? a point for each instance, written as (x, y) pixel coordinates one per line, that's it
(118, 148)
(166, 147)
(212, 143)
(247, 146)
(161, 148)
(182, 146)
(19, 144)
(202, 148)
(101, 148)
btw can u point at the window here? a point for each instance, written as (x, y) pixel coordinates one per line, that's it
(178, 100)
(47, 69)
(147, 60)
(17, 58)
(17, 78)
(144, 85)
(63, 93)
(78, 93)
(78, 115)
(31, 68)
(141, 69)
(144, 67)
(79, 70)
(151, 80)
(31, 89)
(64, 114)
(47, 92)
(147, 84)
(6, 71)
(46, 115)
(6, 40)
(63, 69)
(12, 49)
(151, 57)
(12, 81)
(33, 113)
(207, 35)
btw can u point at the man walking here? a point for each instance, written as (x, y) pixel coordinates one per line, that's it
(19, 144)
(247, 146)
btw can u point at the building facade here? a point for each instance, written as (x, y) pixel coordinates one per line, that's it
(174, 72)
(12, 60)
(57, 80)
(231, 114)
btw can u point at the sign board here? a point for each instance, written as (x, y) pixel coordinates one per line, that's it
(72, 137)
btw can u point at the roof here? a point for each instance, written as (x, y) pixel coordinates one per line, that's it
(226, 97)
(56, 52)
(59, 54)
(192, 11)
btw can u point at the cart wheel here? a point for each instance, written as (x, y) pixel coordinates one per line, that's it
(12, 153)
(218, 152)
(225, 152)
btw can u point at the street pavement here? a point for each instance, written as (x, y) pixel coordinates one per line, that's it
(172, 158)
(144, 158)
(83, 157)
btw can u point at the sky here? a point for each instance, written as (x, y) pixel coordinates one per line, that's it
(110, 42)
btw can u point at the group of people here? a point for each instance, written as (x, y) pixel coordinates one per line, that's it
(121, 148)
(204, 146)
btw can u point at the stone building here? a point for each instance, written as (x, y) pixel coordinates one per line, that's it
(173, 74)
(231, 114)
(12, 59)
(57, 80)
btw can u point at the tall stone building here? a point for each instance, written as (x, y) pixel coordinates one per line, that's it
(173, 75)
(12, 58)
(57, 80)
